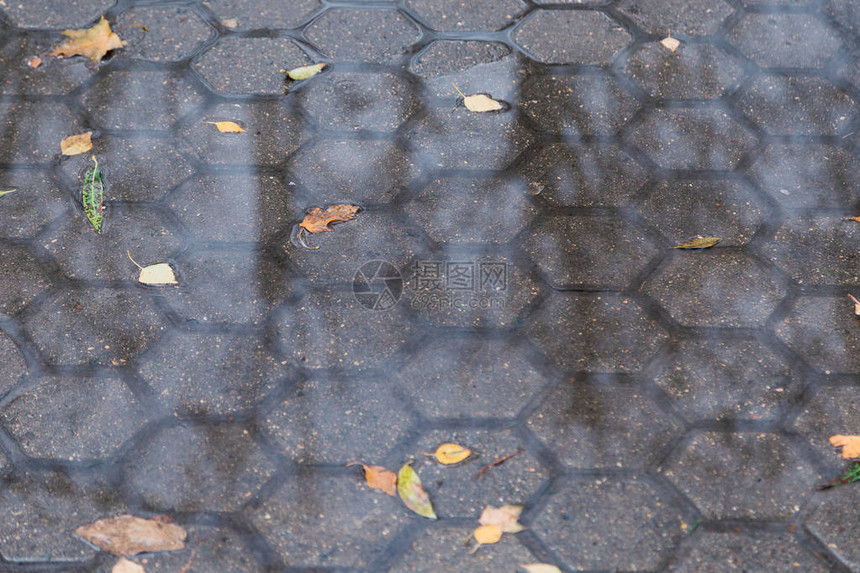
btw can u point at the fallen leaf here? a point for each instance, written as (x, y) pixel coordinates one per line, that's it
(856, 304)
(318, 220)
(412, 493)
(130, 535)
(306, 72)
(92, 196)
(7, 192)
(698, 243)
(850, 445)
(505, 518)
(853, 219)
(77, 144)
(92, 43)
(230, 23)
(34, 61)
(479, 103)
(670, 43)
(486, 535)
(126, 566)
(540, 568)
(447, 454)
(227, 126)
(157, 274)
(378, 477)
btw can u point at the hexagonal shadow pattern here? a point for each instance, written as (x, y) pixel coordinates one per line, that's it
(824, 332)
(32, 130)
(52, 77)
(688, 17)
(460, 16)
(785, 40)
(832, 410)
(25, 278)
(173, 32)
(835, 525)
(13, 367)
(55, 13)
(473, 66)
(37, 201)
(357, 35)
(571, 37)
(253, 14)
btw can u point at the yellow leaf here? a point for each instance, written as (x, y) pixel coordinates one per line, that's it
(77, 144)
(7, 192)
(540, 568)
(378, 477)
(306, 72)
(505, 518)
(412, 493)
(447, 454)
(92, 43)
(481, 103)
(670, 43)
(227, 126)
(126, 566)
(486, 535)
(850, 445)
(157, 274)
(856, 304)
(698, 243)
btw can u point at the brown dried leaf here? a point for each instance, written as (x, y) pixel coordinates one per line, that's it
(505, 517)
(92, 43)
(227, 126)
(130, 535)
(698, 243)
(670, 43)
(318, 220)
(378, 477)
(856, 304)
(850, 445)
(126, 566)
(34, 61)
(853, 219)
(77, 144)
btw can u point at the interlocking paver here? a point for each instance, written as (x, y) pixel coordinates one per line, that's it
(824, 332)
(375, 36)
(73, 418)
(599, 424)
(173, 32)
(25, 278)
(715, 288)
(784, 40)
(32, 130)
(689, 17)
(37, 201)
(473, 66)
(742, 475)
(459, 15)
(835, 524)
(55, 13)
(832, 410)
(53, 77)
(12, 364)
(571, 37)
(253, 14)
(215, 548)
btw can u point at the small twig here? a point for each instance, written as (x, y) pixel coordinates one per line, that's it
(498, 462)
(188, 564)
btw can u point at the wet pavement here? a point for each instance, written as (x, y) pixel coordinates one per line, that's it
(509, 284)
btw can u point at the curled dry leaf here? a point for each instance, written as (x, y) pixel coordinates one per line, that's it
(856, 304)
(479, 103)
(318, 220)
(92, 43)
(306, 72)
(130, 535)
(540, 568)
(670, 43)
(505, 518)
(412, 492)
(486, 535)
(850, 445)
(155, 275)
(77, 144)
(227, 126)
(34, 61)
(126, 566)
(378, 477)
(698, 243)
(447, 454)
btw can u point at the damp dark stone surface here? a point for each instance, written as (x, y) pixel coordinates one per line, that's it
(508, 284)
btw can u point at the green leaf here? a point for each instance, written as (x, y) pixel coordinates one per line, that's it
(699, 243)
(412, 493)
(92, 196)
(306, 72)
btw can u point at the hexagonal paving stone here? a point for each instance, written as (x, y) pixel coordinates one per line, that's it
(359, 100)
(609, 523)
(226, 285)
(441, 549)
(692, 138)
(349, 170)
(846, 14)
(451, 138)
(832, 410)
(336, 421)
(602, 424)
(132, 168)
(24, 278)
(13, 367)
(475, 67)
(251, 14)
(596, 332)
(53, 77)
(693, 71)
(453, 377)
(716, 288)
(172, 32)
(334, 520)
(85, 255)
(785, 40)
(210, 374)
(578, 106)
(460, 16)
(690, 17)
(785, 105)
(95, 326)
(571, 251)
(198, 468)
(140, 99)
(239, 65)
(819, 250)
(725, 378)
(721, 552)
(807, 176)
(350, 34)
(37, 201)
(824, 332)
(835, 523)
(584, 175)
(47, 508)
(333, 330)
(56, 13)
(32, 130)
(236, 208)
(73, 418)
(741, 475)
(684, 208)
(571, 37)
(472, 209)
